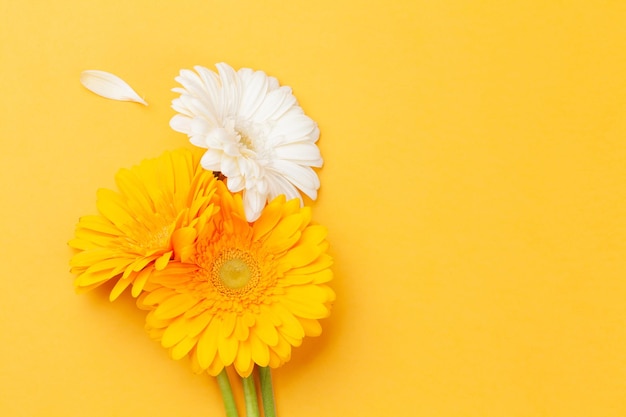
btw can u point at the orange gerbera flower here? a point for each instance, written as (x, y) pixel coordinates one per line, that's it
(242, 293)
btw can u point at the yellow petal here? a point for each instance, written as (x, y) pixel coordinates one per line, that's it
(134, 187)
(322, 262)
(269, 218)
(243, 361)
(182, 242)
(183, 348)
(90, 257)
(156, 297)
(119, 287)
(227, 349)
(293, 341)
(198, 323)
(260, 351)
(139, 264)
(98, 224)
(113, 207)
(156, 325)
(241, 331)
(300, 256)
(195, 366)
(140, 281)
(314, 234)
(216, 366)
(311, 328)
(282, 349)
(227, 325)
(281, 245)
(299, 279)
(284, 230)
(207, 344)
(290, 325)
(175, 306)
(264, 328)
(175, 332)
(308, 303)
(79, 244)
(162, 261)
(275, 360)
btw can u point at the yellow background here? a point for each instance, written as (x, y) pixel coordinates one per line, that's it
(473, 187)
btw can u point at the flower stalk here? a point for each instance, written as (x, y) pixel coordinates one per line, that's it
(249, 393)
(267, 392)
(227, 394)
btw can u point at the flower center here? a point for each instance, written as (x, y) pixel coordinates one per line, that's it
(245, 140)
(154, 234)
(234, 269)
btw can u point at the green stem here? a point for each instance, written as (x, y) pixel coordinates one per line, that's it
(227, 394)
(249, 392)
(267, 391)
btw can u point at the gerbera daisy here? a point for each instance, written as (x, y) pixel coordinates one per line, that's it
(243, 294)
(139, 228)
(254, 131)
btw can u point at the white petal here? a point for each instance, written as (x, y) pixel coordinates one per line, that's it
(276, 103)
(217, 138)
(110, 86)
(211, 160)
(191, 81)
(181, 123)
(254, 90)
(230, 92)
(235, 183)
(303, 153)
(199, 126)
(303, 177)
(230, 167)
(279, 185)
(294, 127)
(253, 203)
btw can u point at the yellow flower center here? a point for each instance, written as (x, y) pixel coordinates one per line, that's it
(155, 234)
(234, 270)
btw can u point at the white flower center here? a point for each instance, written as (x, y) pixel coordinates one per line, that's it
(250, 138)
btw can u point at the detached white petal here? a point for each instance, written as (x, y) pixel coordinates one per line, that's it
(110, 86)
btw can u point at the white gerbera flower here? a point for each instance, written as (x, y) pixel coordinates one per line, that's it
(254, 131)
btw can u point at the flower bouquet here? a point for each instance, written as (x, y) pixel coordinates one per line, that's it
(217, 245)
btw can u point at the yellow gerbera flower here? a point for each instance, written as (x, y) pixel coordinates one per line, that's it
(243, 293)
(159, 204)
